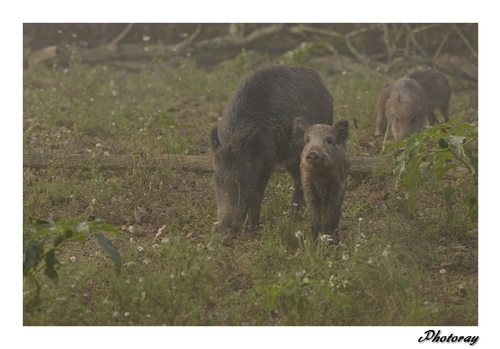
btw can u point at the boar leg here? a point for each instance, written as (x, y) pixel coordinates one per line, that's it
(431, 117)
(314, 208)
(444, 111)
(256, 200)
(298, 195)
(381, 124)
(332, 211)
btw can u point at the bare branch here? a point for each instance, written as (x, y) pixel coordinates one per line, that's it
(441, 44)
(425, 27)
(302, 29)
(360, 56)
(236, 41)
(40, 56)
(444, 69)
(120, 36)
(362, 30)
(189, 40)
(465, 40)
(415, 42)
(407, 43)
(237, 29)
(387, 41)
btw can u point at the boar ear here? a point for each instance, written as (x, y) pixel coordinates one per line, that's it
(340, 130)
(214, 139)
(253, 142)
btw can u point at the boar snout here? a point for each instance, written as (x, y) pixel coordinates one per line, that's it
(313, 157)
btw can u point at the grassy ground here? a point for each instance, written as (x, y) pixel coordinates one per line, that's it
(393, 269)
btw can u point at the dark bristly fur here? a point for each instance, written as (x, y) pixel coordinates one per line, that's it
(255, 134)
(437, 91)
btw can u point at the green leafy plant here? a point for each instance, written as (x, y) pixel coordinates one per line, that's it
(44, 238)
(429, 155)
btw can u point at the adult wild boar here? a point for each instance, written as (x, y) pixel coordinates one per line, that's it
(437, 92)
(254, 135)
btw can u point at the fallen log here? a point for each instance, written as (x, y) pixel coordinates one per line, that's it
(137, 52)
(360, 166)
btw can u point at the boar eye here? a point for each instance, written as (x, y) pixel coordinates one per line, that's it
(413, 120)
(397, 119)
(329, 140)
(307, 139)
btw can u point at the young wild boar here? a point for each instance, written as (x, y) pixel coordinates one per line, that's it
(434, 93)
(255, 134)
(437, 91)
(324, 168)
(406, 108)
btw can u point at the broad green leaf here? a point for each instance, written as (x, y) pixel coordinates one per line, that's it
(442, 170)
(395, 145)
(40, 222)
(473, 160)
(64, 223)
(464, 130)
(38, 232)
(104, 227)
(81, 237)
(434, 147)
(83, 227)
(443, 144)
(399, 168)
(113, 251)
(32, 256)
(58, 240)
(50, 263)
(455, 144)
(448, 193)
